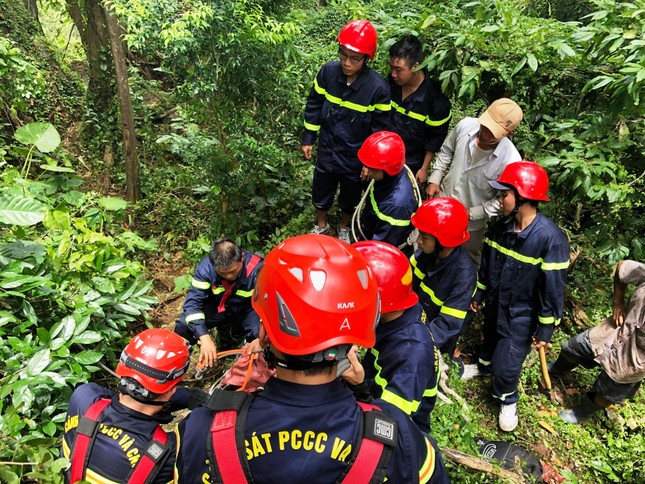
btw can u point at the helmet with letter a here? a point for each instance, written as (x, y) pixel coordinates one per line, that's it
(314, 293)
(393, 274)
(152, 363)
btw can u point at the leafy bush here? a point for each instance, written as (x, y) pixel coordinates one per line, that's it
(70, 292)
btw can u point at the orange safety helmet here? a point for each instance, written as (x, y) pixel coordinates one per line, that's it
(383, 150)
(359, 35)
(393, 274)
(527, 177)
(156, 358)
(316, 292)
(444, 218)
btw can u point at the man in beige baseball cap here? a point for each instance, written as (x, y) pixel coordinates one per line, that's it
(475, 152)
(502, 117)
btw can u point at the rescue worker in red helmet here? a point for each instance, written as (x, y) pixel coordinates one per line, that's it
(445, 277)
(521, 282)
(316, 297)
(117, 437)
(347, 102)
(403, 366)
(384, 212)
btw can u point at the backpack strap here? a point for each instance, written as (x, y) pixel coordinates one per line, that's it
(85, 435)
(378, 439)
(252, 264)
(150, 463)
(226, 447)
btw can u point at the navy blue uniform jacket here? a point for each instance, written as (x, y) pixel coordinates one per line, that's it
(422, 119)
(522, 277)
(206, 289)
(306, 434)
(388, 208)
(344, 116)
(403, 366)
(122, 438)
(445, 291)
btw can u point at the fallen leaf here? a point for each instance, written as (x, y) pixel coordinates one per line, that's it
(632, 424)
(549, 474)
(547, 412)
(541, 450)
(546, 426)
(572, 391)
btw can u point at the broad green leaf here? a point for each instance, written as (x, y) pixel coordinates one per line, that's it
(127, 309)
(55, 168)
(49, 428)
(112, 203)
(533, 62)
(65, 328)
(88, 357)
(38, 362)
(43, 135)
(88, 337)
(18, 210)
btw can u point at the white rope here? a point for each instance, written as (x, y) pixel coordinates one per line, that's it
(356, 216)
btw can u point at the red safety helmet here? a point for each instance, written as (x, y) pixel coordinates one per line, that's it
(156, 358)
(383, 150)
(444, 218)
(316, 292)
(393, 274)
(359, 35)
(527, 177)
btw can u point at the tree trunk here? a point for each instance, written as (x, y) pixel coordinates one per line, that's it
(32, 7)
(125, 103)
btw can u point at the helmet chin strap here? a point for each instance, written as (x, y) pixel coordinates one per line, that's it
(140, 394)
(327, 357)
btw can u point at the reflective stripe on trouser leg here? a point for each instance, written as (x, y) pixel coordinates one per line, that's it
(506, 365)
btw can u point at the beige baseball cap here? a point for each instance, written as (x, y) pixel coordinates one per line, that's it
(502, 117)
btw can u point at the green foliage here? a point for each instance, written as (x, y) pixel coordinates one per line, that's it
(69, 294)
(20, 81)
(579, 86)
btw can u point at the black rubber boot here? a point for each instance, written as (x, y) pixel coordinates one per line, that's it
(561, 366)
(583, 411)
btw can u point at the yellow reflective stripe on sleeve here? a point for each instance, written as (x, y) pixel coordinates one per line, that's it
(66, 450)
(218, 290)
(481, 286)
(420, 117)
(197, 284)
(382, 216)
(431, 293)
(427, 468)
(390, 397)
(455, 313)
(406, 406)
(382, 107)
(94, 478)
(545, 266)
(244, 293)
(554, 266)
(350, 105)
(548, 320)
(195, 317)
(312, 127)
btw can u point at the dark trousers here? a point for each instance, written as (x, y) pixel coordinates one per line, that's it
(504, 358)
(577, 351)
(230, 333)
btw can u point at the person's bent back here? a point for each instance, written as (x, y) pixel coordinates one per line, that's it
(316, 297)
